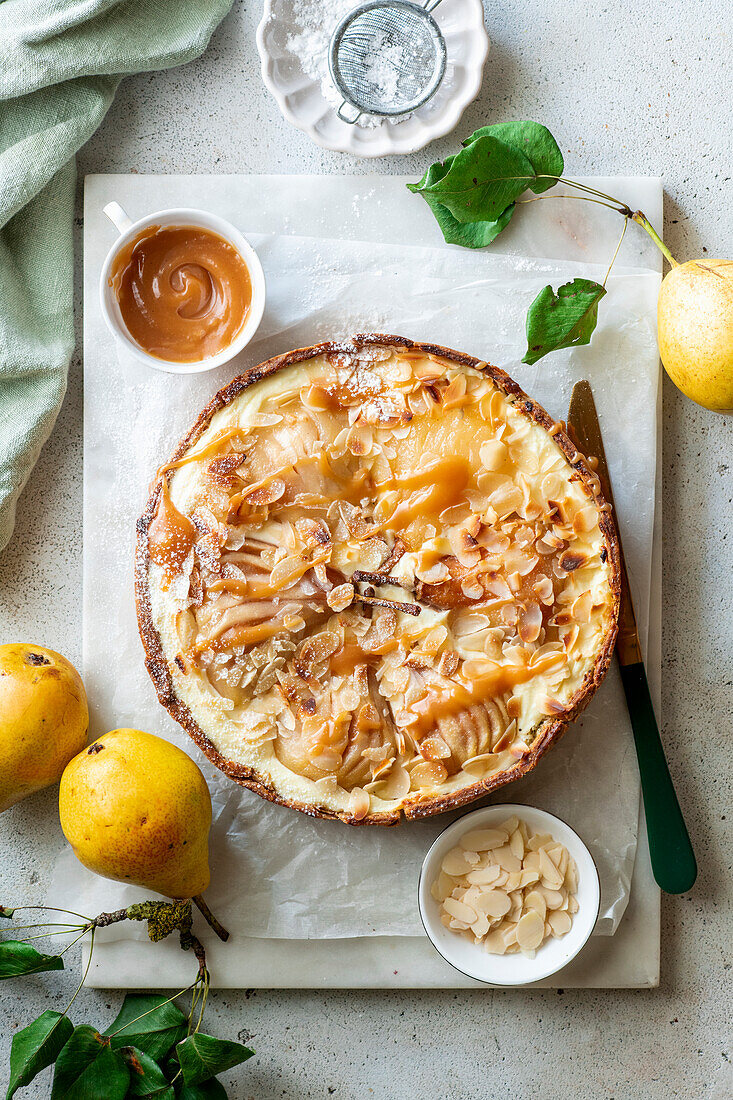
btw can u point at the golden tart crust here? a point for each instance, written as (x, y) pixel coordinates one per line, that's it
(376, 579)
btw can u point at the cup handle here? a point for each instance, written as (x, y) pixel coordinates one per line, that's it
(118, 217)
(346, 113)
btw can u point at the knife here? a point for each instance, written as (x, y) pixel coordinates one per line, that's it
(673, 860)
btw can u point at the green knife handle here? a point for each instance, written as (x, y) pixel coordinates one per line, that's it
(673, 860)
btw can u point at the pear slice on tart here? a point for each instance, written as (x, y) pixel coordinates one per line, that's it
(376, 580)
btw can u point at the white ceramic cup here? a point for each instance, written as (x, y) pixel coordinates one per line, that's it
(515, 969)
(128, 230)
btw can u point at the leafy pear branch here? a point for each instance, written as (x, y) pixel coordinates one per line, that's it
(151, 1048)
(474, 195)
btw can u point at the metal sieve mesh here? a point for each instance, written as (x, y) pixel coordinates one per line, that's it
(387, 57)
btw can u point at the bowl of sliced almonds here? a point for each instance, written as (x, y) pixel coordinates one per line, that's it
(509, 894)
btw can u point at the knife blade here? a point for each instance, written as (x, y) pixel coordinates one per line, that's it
(672, 856)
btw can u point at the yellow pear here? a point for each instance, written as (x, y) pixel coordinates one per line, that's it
(695, 331)
(136, 808)
(44, 719)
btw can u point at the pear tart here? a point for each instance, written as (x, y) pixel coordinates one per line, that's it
(376, 579)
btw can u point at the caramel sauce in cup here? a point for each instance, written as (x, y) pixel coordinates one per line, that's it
(184, 292)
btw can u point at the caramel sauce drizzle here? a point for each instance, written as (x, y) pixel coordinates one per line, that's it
(497, 680)
(262, 590)
(206, 451)
(438, 486)
(351, 655)
(239, 636)
(171, 535)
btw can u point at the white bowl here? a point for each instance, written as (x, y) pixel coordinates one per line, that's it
(302, 101)
(128, 230)
(516, 969)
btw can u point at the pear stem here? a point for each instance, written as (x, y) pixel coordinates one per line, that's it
(642, 220)
(210, 918)
(105, 919)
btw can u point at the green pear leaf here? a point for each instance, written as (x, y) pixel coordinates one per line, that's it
(563, 320)
(203, 1056)
(146, 1076)
(6, 912)
(18, 958)
(535, 141)
(470, 234)
(150, 1022)
(481, 181)
(36, 1047)
(88, 1069)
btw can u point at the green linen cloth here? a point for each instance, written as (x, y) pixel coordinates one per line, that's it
(60, 64)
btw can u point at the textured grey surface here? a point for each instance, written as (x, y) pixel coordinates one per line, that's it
(642, 90)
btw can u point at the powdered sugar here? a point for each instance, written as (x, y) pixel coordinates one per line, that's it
(385, 76)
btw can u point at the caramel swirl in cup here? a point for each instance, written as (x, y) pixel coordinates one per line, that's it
(183, 292)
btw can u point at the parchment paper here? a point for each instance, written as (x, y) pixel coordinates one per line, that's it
(277, 873)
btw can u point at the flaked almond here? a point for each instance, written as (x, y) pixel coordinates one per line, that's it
(553, 898)
(455, 863)
(339, 598)
(516, 843)
(559, 922)
(483, 840)
(495, 903)
(530, 930)
(484, 876)
(493, 454)
(551, 877)
(428, 774)
(459, 910)
(506, 859)
(533, 899)
(480, 765)
(506, 877)
(360, 802)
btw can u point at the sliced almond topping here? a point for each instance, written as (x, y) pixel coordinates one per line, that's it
(442, 886)
(559, 923)
(482, 840)
(459, 910)
(428, 774)
(495, 903)
(361, 801)
(480, 765)
(571, 877)
(340, 597)
(493, 454)
(551, 877)
(534, 900)
(484, 876)
(553, 898)
(530, 930)
(516, 843)
(455, 863)
(513, 882)
(480, 926)
(498, 886)
(506, 859)
(495, 943)
(539, 840)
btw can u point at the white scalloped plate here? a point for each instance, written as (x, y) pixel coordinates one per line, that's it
(302, 102)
